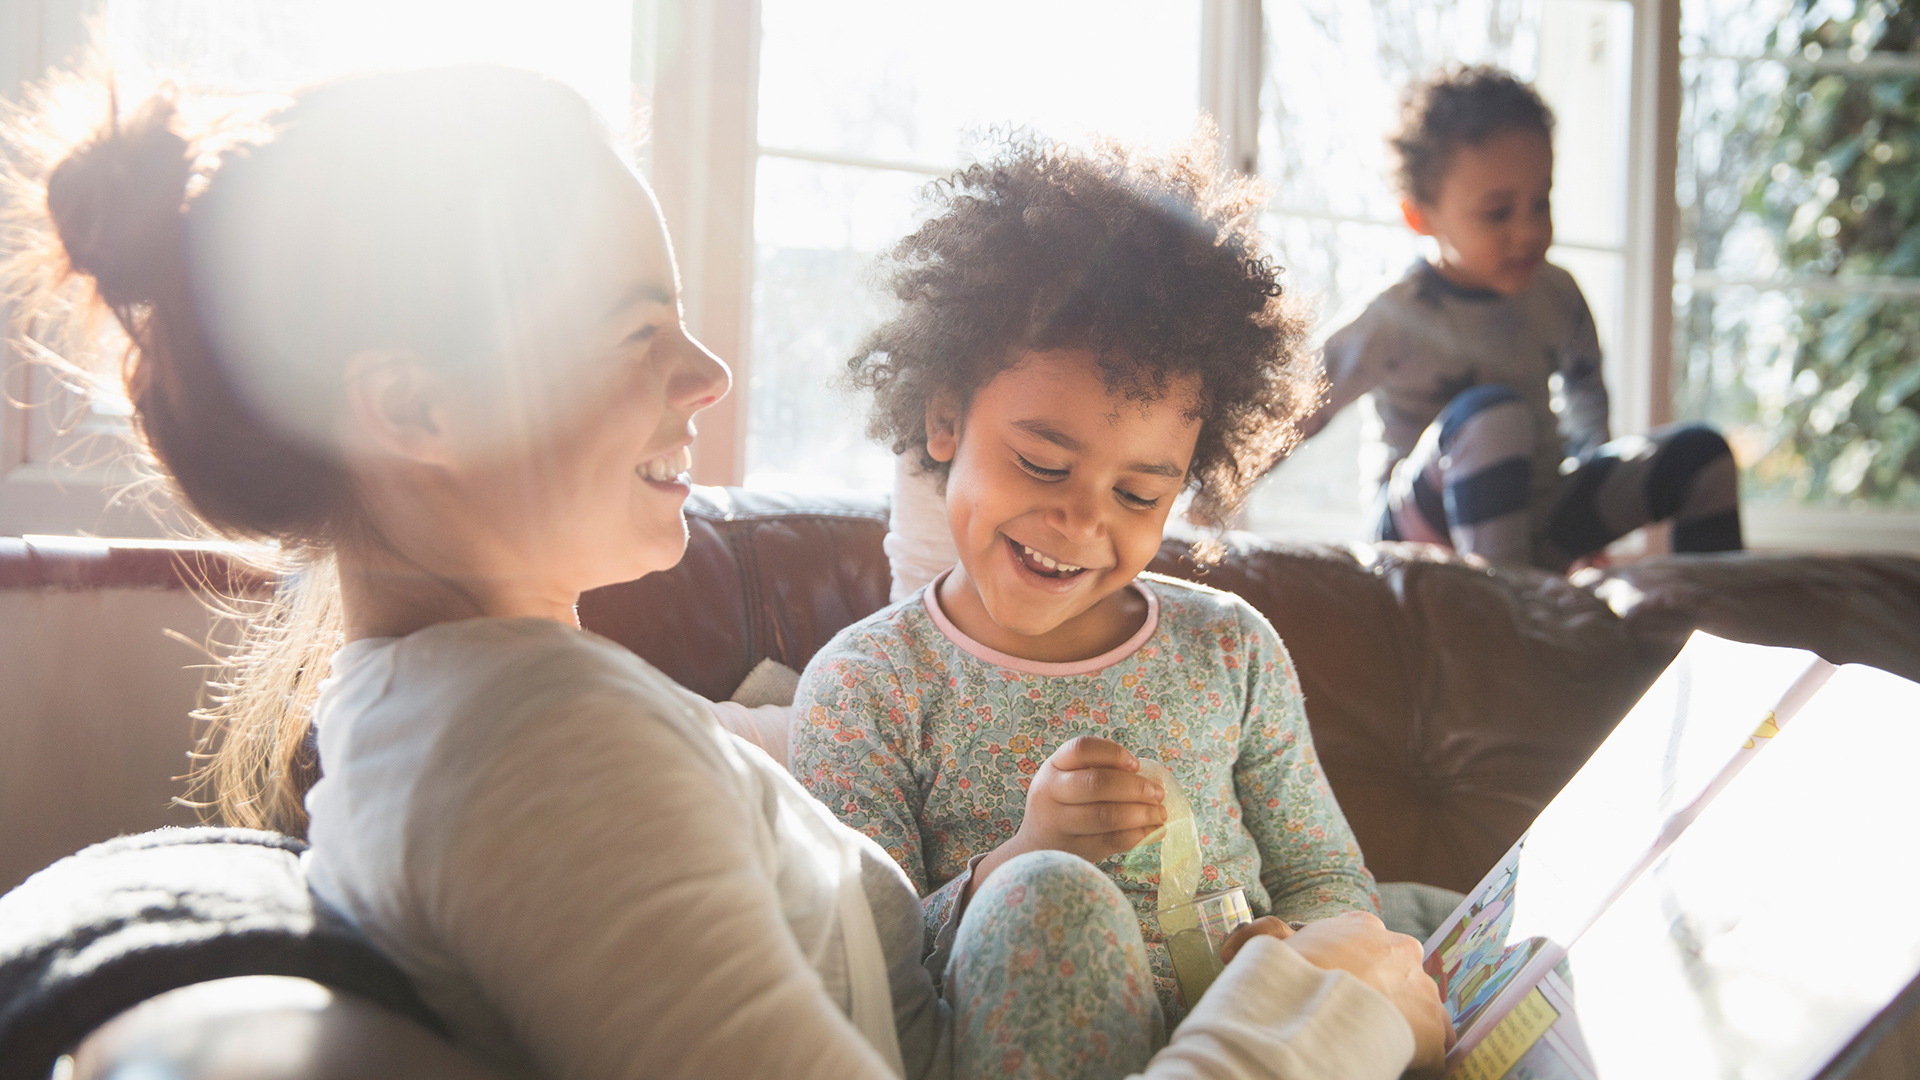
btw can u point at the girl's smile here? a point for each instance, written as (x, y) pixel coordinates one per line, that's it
(1039, 563)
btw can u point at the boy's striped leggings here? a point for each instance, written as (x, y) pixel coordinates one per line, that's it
(1468, 483)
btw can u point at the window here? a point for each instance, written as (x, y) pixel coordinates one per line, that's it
(863, 102)
(1331, 93)
(63, 461)
(790, 139)
(1797, 290)
(60, 457)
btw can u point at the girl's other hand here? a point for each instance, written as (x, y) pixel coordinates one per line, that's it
(1357, 943)
(1088, 799)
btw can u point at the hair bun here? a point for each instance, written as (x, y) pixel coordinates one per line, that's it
(116, 202)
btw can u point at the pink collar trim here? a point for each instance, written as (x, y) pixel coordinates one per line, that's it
(1034, 667)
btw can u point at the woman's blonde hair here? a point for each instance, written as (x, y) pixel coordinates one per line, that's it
(247, 250)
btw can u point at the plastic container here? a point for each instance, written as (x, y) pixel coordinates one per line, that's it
(1195, 931)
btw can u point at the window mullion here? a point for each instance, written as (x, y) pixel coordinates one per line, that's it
(1643, 378)
(1232, 46)
(704, 135)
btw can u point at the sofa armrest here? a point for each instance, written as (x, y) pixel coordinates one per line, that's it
(1849, 608)
(267, 1027)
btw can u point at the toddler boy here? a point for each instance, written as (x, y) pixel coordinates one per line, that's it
(1459, 354)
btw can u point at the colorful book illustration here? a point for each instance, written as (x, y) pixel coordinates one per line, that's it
(1531, 964)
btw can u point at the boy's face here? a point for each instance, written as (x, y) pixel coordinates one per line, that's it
(1047, 465)
(1492, 216)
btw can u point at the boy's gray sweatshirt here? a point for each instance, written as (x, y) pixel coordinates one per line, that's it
(1425, 340)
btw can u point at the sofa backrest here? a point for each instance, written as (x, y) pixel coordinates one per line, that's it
(1448, 701)
(765, 576)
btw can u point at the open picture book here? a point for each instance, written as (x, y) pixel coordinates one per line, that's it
(1725, 889)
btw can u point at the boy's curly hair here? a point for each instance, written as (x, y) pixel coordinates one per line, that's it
(1458, 106)
(1153, 262)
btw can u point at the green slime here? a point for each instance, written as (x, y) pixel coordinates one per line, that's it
(1194, 963)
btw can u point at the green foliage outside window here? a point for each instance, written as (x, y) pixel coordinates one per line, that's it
(1836, 182)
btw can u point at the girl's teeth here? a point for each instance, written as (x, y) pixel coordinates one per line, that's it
(1047, 562)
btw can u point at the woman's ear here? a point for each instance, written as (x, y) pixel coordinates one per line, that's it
(1416, 218)
(396, 405)
(943, 426)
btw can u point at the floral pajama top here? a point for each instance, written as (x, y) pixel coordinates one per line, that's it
(926, 741)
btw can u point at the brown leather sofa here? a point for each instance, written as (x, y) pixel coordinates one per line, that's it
(1448, 700)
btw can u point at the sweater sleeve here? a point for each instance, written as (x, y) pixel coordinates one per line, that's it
(1310, 863)
(1354, 361)
(1271, 1014)
(1584, 420)
(855, 727)
(600, 881)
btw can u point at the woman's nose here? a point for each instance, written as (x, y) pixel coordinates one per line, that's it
(699, 379)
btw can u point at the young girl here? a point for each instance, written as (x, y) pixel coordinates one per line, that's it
(1082, 339)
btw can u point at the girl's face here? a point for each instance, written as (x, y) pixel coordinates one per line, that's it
(569, 474)
(1057, 495)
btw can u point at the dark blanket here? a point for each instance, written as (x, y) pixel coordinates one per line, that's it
(103, 930)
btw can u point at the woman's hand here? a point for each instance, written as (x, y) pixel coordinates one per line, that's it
(1088, 799)
(1357, 943)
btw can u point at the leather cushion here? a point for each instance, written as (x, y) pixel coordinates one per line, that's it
(765, 576)
(1851, 609)
(103, 930)
(1449, 700)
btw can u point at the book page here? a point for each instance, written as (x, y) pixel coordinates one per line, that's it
(1780, 922)
(1715, 702)
(1539, 1039)
(1715, 699)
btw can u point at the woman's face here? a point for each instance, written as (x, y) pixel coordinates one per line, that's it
(571, 473)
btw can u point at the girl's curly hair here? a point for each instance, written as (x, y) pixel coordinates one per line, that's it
(1153, 262)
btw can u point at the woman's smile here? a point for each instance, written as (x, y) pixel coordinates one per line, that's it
(669, 469)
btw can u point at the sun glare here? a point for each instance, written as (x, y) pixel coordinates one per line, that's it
(246, 45)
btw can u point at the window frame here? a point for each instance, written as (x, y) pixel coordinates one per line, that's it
(40, 490)
(1778, 525)
(697, 62)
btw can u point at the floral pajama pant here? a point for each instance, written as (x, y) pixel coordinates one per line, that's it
(1048, 976)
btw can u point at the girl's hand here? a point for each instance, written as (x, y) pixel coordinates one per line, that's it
(1088, 799)
(1357, 943)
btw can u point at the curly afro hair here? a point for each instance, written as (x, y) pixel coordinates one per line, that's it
(1151, 262)
(1458, 106)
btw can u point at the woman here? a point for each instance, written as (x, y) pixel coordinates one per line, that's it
(426, 333)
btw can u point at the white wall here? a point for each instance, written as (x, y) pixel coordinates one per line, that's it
(93, 717)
